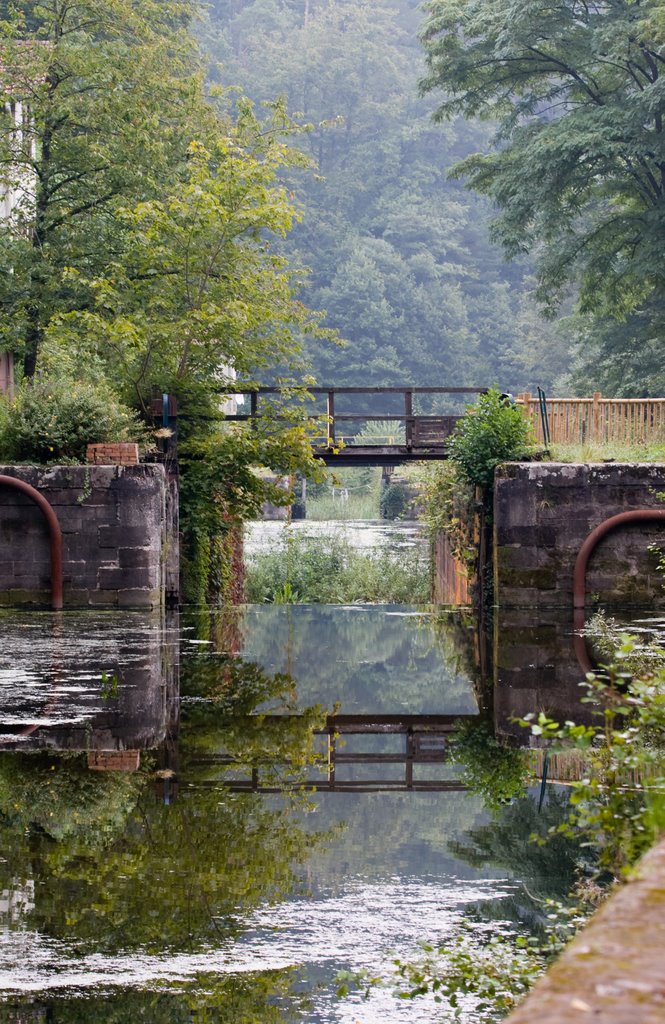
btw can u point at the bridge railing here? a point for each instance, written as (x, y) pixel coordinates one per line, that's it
(598, 419)
(419, 429)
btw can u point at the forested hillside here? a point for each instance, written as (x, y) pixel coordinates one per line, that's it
(400, 255)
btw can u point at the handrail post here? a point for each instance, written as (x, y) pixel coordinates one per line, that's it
(253, 408)
(330, 411)
(408, 417)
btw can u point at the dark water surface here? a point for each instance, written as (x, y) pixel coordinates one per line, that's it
(174, 847)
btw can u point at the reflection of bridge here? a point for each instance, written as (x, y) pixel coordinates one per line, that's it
(416, 436)
(425, 742)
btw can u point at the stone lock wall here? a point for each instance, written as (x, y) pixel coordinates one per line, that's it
(544, 511)
(120, 536)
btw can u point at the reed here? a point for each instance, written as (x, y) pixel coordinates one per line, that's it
(328, 570)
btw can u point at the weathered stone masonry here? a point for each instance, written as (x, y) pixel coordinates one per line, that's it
(120, 536)
(544, 511)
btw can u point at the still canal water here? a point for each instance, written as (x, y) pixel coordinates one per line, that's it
(187, 834)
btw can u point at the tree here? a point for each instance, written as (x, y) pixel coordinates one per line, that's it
(140, 244)
(579, 172)
(399, 253)
(106, 94)
(198, 288)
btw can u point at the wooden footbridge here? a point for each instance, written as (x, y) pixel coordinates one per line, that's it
(411, 436)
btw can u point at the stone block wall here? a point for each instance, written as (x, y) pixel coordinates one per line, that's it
(544, 511)
(120, 536)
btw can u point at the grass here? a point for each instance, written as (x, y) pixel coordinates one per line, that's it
(617, 451)
(347, 494)
(357, 506)
(328, 570)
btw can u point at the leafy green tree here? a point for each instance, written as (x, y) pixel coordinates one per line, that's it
(107, 94)
(579, 175)
(621, 357)
(399, 253)
(198, 289)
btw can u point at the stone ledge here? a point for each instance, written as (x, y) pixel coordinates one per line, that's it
(614, 970)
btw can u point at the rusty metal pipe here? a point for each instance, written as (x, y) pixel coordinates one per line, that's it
(580, 570)
(582, 561)
(55, 534)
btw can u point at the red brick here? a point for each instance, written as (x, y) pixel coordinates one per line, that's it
(117, 454)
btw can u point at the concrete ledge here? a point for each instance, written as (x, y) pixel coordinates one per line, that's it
(614, 970)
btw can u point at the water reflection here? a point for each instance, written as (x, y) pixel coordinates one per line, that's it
(86, 682)
(170, 893)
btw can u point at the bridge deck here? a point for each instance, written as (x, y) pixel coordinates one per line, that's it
(378, 455)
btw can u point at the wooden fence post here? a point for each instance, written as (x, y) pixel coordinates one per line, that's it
(330, 412)
(595, 429)
(528, 401)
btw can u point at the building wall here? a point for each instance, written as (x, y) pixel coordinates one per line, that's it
(544, 511)
(120, 536)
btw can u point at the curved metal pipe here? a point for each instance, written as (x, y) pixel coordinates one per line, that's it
(582, 561)
(581, 564)
(55, 534)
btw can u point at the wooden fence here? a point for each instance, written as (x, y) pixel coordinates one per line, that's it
(581, 420)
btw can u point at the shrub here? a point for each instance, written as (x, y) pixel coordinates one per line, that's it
(491, 432)
(55, 418)
(448, 505)
(395, 501)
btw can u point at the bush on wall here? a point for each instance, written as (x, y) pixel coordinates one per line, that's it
(492, 432)
(54, 418)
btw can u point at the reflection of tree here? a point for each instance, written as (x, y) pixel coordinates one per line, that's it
(175, 877)
(235, 686)
(362, 657)
(178, 878)
(113, 868)
(497, 772)
(56, 794)
(517, 840)
(248, 999)
(222, 627)
(220, 695)
(458, 638)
